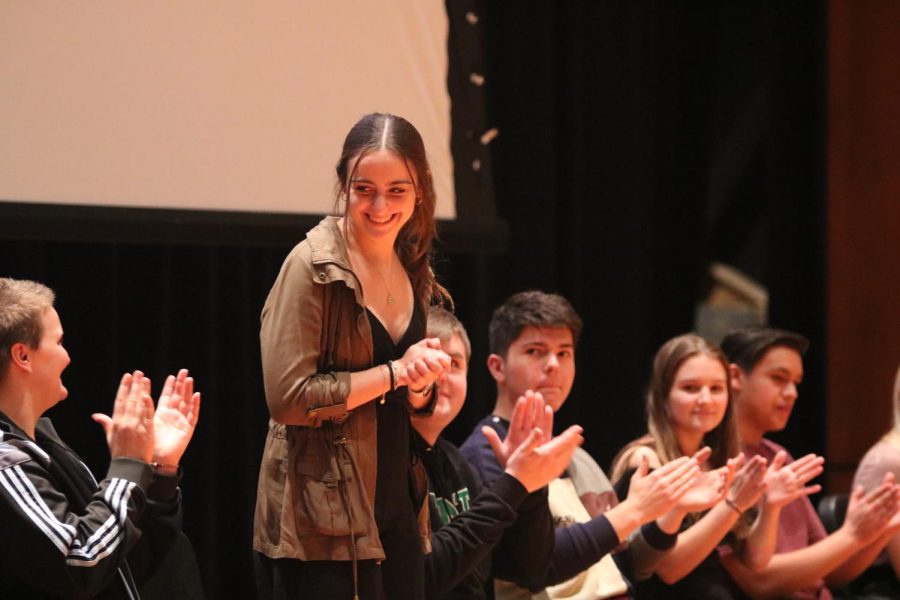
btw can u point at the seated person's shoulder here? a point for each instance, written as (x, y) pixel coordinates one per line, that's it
(638, 453)
(12, 455)
(476, 442)
(773, 447)
(882, 458)
(477, 450)
(628, 460)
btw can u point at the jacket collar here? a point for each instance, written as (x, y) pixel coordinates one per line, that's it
(10, 429)
(43, 430)
(327, 245)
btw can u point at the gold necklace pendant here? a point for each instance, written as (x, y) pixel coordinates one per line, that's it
(389, 283)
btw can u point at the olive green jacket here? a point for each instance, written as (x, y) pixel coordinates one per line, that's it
(316, 493)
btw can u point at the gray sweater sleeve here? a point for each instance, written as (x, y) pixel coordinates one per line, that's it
(646, 547)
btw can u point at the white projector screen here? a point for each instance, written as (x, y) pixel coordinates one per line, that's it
(226, 105)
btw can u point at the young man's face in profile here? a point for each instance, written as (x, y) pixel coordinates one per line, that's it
(541, 359)
(764, 397)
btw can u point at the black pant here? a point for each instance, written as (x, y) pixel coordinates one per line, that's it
(289, 579)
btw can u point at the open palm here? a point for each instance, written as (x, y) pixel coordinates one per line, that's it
(175, 418)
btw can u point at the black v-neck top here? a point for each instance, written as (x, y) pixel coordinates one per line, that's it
(383, 346)
(393, 501)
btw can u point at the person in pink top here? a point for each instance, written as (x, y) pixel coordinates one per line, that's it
(766, 369)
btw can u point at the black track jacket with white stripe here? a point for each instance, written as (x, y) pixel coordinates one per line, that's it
(63, 535)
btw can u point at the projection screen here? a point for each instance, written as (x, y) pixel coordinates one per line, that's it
(210, 104)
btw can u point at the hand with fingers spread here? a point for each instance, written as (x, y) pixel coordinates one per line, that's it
(175, 418)
(787, 482)
(529, 413)
(736, 462)
(748, 484)
(129, 431)
(708, 489)
(870, 514)
(536, 463)
(529, 452)
(653, 494)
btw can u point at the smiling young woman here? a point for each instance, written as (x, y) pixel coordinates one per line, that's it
(341, 505)
(688, 406)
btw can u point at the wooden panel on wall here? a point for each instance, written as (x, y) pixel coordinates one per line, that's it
(863, 228)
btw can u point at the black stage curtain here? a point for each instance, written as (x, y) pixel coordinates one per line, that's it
(637, 143)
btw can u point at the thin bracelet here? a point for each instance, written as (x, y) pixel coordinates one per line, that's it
(734, 507)
(390, 366)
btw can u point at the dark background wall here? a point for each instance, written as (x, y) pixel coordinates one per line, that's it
(638, 142)
(863, 226)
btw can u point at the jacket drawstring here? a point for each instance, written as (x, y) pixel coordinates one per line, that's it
(342, 441)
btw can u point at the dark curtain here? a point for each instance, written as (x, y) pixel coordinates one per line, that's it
(637, 143)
